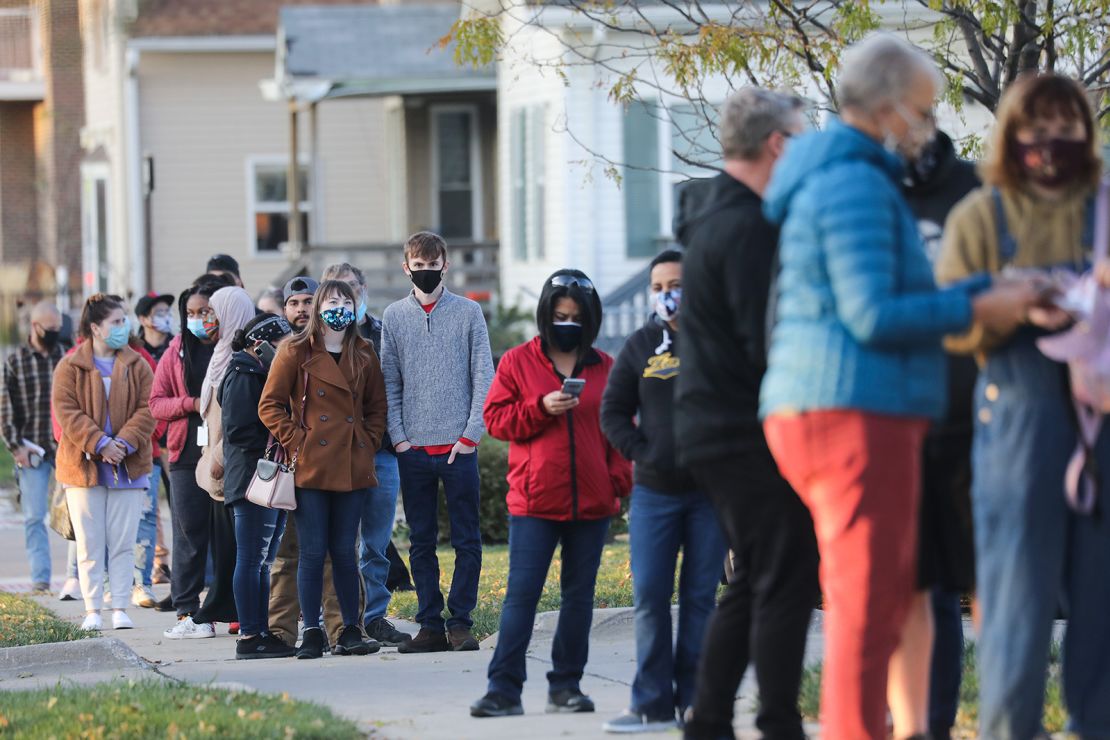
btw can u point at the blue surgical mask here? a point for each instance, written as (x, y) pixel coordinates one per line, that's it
(338, 318)
(118, 336)
(196, 328)
(360, 312)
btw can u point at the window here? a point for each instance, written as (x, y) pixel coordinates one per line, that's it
(269, 204)
(456, 171)
(528, 134)
(641, 179)
(95, 233)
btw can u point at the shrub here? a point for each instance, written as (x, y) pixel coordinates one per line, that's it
(493, 512)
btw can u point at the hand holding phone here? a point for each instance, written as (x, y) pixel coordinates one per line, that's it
(574, 386)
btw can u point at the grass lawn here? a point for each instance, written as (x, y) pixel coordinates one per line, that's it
(7, 476)
(23, 622)
(146, 709)
(614, 585)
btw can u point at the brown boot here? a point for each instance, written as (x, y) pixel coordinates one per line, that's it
(426, 641)
(461, 639)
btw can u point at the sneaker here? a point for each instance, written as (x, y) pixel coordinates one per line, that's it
(93, 622)
(40, 588)
(71, 591)
(262, 646)
(187, 629)
(161, 574)
(383, 631)
(143, 597)
(233, 628)
(495, 705)
(426, 641)
(569, 701)
(165, 605)
(351, 642)
(630, 722)
(312, 646)
(120, 621)
(461, 639)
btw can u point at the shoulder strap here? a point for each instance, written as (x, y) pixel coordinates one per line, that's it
(1102, 221)
(1007, 246)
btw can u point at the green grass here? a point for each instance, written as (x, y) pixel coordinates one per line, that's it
(7, 463)
(23, 622)
(174, 711)
(614, 585)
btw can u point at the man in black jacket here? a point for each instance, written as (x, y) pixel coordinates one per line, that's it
(765, 612)
(668, 513)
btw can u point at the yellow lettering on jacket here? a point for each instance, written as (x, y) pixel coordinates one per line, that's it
(662, 367)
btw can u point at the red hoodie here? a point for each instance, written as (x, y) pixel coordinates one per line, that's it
(560, 467)
(170, 400)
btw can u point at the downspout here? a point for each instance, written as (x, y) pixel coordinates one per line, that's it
(138, 247)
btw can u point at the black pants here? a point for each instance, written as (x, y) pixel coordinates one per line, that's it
(219, 603)
(192, 514)
(764, 614)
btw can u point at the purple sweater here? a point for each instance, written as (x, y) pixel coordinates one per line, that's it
(113, 476)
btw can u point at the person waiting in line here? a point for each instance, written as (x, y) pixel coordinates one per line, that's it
(155, 314)
(101, 396)
(856, 367)
(272, 301)
(565, 484)
(1032, 549)
(324, 401)
(668, 513)
(298, 293)
(258, 529)
(224, 266)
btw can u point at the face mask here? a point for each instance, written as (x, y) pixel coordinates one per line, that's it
(196, 328)
(360, 312)
(666, 304)
(118, 336)
(211, 326)
(49, 338)
(162, 324)
(567, 335)
(338, 318)
(1052, 163)
(426, 280)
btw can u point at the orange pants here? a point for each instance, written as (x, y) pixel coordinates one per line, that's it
(859, 474)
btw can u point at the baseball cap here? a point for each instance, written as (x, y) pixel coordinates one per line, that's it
(300, 286)
(224, 263)
(146, 303)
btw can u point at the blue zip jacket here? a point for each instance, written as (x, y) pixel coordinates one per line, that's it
(859, 317)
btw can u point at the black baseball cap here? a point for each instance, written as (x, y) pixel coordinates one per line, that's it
(223, 263)
(144, 305)
(300, 286)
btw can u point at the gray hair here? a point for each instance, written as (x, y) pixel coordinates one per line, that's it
(880, 70)
(750, 116)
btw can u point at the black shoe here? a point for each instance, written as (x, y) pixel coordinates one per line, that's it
(312, 644)
(165, 605)
(568, 701)
(495, 705)
(461, 639)
(426, 641)
(383, 631)
(262, 646)
(351, 642)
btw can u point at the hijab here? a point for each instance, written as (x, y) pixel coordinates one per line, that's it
(233, 308)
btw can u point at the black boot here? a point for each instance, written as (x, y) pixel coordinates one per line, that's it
(495, 705)
(568, 701)
(351, 642)
(312, 644)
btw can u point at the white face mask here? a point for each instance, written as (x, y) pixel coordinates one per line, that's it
(667, 303)
(163, 324)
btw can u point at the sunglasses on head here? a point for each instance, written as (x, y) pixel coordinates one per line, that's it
(568, 281)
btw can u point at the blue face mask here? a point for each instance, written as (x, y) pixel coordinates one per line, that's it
(118, 336)
(338, 318)
(196, 328)
(360, 312)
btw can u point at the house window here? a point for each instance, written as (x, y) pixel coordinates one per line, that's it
(640, 182)
(456, 171)
(269, 204)
(95, 232)
(528, 133)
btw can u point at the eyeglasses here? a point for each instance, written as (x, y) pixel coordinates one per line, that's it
(568, 281)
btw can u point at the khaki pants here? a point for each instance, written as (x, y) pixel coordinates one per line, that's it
(285, 607)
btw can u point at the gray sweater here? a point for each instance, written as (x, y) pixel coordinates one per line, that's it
(438, 369)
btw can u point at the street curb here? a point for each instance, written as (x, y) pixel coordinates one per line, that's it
(80, 656)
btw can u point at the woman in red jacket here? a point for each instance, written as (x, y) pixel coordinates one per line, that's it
(565, 482)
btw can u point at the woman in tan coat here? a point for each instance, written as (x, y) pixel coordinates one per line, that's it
(330, 378)
(101, 395)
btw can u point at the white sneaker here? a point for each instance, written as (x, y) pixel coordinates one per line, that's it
(187, 629)
(93, 622)
(71, 591)
(120, 621)
(142, 596)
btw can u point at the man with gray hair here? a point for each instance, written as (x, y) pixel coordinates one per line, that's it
(731, 253)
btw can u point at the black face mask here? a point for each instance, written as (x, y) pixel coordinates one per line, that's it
(426, 280)
(567, 335)
(49, 338)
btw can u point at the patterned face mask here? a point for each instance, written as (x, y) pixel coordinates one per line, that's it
(667, 303)
(338, 318)
(211, 325)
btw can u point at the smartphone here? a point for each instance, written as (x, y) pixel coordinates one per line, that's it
(266, 351)
(574, 386)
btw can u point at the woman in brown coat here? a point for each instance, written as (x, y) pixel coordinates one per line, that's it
(329, 376)
(101, 395)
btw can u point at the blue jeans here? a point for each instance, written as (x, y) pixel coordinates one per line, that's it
(421, 474)
(258, 533)
(34, 494)
(148, 532)
(379, 512)
(947, 665)
(531, 546)
(659, 525)
(327, 524)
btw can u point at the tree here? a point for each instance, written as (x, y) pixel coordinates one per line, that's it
(678, 49)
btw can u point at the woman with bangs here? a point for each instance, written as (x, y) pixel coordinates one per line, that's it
(324, 401)
(1033, 552)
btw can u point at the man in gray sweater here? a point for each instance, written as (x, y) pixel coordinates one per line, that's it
(438, 368)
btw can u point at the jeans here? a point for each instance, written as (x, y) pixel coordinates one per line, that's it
(947, 666)
(379, 512)
(148, 532)
(34, 494)
(105, 521)
(531, 546)
(421, 474)
(257, 537)
(659, 525)
(192, 524)
(327, 523)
